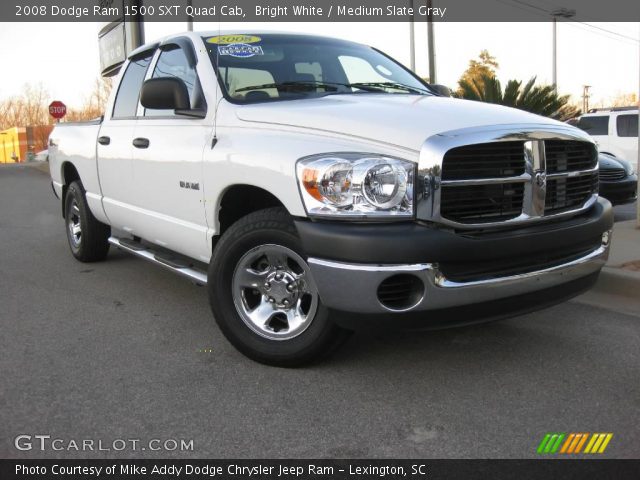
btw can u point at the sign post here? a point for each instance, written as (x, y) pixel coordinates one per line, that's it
(120, 36)
(57, 109)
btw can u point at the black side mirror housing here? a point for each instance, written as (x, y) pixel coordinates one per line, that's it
(165, 94)
(441, 90)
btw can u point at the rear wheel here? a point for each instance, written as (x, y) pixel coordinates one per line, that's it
(263, 295)
(88, 238)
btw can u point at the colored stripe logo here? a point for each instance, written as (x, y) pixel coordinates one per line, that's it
(573, 443)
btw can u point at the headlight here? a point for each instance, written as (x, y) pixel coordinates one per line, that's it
(356, 185)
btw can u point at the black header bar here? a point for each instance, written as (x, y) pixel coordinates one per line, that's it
(319, 10)
(565, 469)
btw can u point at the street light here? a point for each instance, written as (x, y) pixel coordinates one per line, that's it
(431, 44)
(562, 13)
(412, 40)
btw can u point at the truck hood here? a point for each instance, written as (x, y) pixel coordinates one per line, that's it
(401, 120)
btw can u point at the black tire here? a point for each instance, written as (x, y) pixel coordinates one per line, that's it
(268, 227)
(92, 244)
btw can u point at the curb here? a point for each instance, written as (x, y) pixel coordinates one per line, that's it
(616, 281)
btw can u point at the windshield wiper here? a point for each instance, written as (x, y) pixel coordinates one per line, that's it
(301, 83)
(331, 86)
(378, 87)
(382, 85)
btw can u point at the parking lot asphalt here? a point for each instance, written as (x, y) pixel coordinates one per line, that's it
(124, 350)
(625, 212)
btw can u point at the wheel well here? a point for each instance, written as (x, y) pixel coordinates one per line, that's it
(241, 200)
(69, 174)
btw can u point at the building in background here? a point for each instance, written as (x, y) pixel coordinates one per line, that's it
(20, 144)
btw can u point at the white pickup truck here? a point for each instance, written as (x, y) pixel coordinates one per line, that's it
(317, 186)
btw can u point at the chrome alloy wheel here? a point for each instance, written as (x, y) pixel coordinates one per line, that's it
(74, 224)
(274, 293)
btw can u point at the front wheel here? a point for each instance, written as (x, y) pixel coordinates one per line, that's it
(263, 295)
(88, 238)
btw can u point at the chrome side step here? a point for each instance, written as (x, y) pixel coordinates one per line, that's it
(146, 253)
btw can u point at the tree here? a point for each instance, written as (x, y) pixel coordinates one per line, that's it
(486, 66)
(624, 100)
(540, 99)
(31, 107)
(95, 103)
(27, 109)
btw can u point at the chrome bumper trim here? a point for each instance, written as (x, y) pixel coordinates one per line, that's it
(353, 288)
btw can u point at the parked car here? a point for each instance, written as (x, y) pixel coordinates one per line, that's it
(618, 180)
(615, 130)
(317, 186)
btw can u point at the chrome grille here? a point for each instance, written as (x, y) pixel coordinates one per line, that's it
(495, 203)
(493, 182)
(504, 159)
(569, 193)
(612, 174)
(569, 155)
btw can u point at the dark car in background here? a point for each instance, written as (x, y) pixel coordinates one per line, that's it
(618, 181)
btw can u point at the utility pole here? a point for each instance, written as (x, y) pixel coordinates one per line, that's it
(585, 98)
(566, 14)
(431, 44)
(554, 57)
(412, 39)
(638, 168)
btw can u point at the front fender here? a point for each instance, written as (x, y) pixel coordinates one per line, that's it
(266, 158)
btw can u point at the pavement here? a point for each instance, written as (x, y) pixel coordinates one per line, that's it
(124, 350)
(619, 283)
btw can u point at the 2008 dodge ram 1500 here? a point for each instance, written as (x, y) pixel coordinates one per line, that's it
(316, 185)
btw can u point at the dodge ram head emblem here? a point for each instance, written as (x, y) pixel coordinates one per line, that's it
(541, 179)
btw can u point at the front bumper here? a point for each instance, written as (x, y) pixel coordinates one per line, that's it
(456, 270)
(621, 191)
(354, 288)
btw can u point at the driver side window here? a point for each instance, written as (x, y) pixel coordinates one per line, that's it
(173, 63)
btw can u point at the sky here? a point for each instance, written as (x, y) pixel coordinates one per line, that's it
(64, 56)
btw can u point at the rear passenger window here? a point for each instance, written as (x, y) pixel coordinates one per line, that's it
(173, 63)
(627, 125)
(126, 104)
(595, 125)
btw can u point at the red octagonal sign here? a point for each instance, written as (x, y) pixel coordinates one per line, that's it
(57, 109)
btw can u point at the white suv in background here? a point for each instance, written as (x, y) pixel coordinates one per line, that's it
(615, 130)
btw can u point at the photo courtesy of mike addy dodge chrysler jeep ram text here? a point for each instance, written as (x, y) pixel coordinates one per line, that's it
(316, 186)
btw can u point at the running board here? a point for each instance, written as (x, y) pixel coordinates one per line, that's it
(140, 250)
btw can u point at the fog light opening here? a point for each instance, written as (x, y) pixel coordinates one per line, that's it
(400, 292)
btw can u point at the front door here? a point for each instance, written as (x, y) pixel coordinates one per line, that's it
(167, 166)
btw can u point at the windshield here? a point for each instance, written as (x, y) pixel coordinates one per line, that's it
(271, 67)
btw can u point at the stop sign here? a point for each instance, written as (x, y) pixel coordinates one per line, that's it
(57, 109)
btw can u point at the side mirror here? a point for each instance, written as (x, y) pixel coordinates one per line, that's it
(441, 90)
(165, 94)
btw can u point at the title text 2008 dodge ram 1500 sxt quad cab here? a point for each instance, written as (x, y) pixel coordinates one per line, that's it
(327, 187)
